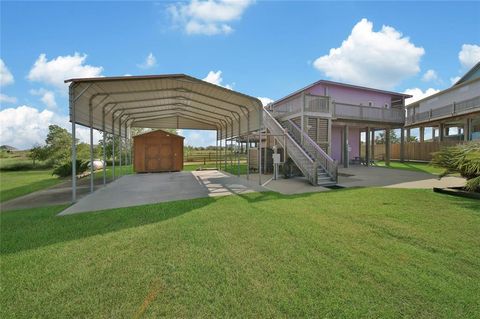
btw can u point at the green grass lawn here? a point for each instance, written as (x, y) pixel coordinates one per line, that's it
(351, 253)
(19, 183)
(412, 166)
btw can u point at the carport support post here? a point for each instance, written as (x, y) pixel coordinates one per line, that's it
(113, 148)
(259, 146)
(120, 147)
(90, 113)
(248, 155)
(74, 157)
(104, 150)
(216, 150)
(238, 158)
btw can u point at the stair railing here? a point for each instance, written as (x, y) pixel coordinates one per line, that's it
(303, 161)
(314, 150)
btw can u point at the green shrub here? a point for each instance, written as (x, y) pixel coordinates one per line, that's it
(463, 159)
(65, 169)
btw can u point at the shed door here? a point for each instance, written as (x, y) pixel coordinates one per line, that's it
(159, 156)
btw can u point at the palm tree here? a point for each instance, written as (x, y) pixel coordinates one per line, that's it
(463, 159)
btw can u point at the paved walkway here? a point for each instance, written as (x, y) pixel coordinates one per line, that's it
(141, 189)
(394, 178)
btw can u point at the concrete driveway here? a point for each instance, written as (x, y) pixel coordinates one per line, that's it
(141, 189)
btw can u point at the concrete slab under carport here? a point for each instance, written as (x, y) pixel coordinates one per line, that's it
(141, 189)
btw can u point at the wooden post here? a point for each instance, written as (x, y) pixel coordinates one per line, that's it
(422, 134)
(387, 147)
(367, 146)
(402, 144)
(433, 134)
(441, 132)
(467, 129)
(372, 154)
(345, 147)
(408, 135)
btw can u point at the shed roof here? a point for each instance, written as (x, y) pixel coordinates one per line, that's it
(158, 131)
(174, 101)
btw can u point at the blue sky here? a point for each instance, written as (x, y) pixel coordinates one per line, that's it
(264, 49)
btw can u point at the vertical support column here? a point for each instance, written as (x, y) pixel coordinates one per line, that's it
(402, 144)
(345, 152)
(387, 147)
(441, 132)
(74, 155)
(422, 134)
(216, 150)
(248, 155)
(329, 148)
(260, 156)
(408, 135)
(302, 118)
(433, 134)
(131, 147)
(113, 147)
(104, 169)
(467, 129)
(238, 158)
(367, 146)
(231, 150)
(359, 143)
(90, 114)
(225, 153)
(120, 146)
(127, 151)
(372, 154)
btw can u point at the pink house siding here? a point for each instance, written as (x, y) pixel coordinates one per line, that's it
(351, 96)
(353, 140)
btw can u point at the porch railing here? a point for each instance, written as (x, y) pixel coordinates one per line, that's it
(456, 108)
(368, 113)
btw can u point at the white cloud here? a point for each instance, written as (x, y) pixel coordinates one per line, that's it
(469, 55)
(216, 78)
(57, 70)
(454, 79)
(6, 76)
(265, 100)
(208, 17)
(150, 62)
(379, 59)
(47, 97)
(418, 94)
(7, 99)
(25, 126)
(430, 75)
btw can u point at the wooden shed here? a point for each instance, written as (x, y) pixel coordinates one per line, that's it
(158, 151)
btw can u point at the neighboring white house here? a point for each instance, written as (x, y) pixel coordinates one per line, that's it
(457, 107)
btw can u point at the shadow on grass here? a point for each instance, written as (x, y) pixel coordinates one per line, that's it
(15, 192)
(33, 228)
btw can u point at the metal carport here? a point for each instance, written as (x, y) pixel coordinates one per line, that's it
(116, 104)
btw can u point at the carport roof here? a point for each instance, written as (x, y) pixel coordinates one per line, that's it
(175, 101)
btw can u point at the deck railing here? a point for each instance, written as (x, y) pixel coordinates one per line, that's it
(368, 113)
(456, 108)
(312, 103)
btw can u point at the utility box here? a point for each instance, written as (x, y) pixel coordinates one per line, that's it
(158, 151)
